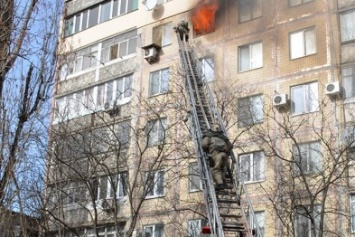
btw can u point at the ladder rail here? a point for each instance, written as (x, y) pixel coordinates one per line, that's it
(239, 186)
(209, 193)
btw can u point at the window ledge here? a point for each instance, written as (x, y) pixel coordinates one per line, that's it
(254, 181)
(304, 113)
(251, 69)
(154, 197)
(304, 56)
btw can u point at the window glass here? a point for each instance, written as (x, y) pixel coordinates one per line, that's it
(105, 11)
(304, 217)
(249, 9)
(207, 69)
(302, 43)
(352, 212)
(123, 7)
(194, 178)
(159, 82)
(304, 98)
(77, 22)
(250, 111)
(347, 22)
(252, 167)
(250, 56)
(69, 27)
(349, 82)
(307, 158)
(84, 22)
(93, 16)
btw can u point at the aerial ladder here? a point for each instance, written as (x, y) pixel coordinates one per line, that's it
(226, 213)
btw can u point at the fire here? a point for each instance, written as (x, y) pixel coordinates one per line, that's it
(203, 16)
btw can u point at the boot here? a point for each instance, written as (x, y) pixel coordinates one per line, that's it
(219, 187)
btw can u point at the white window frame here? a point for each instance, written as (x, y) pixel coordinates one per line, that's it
(159, 2)
(109, 231)
(74, 193)
(352, 212)
(252, 167)
(194, 227)
(156, 131)
(152, 187)
(250, 110)
(303, 43)
(207, 69)
(300, 219)
(165, 33)
(160, 83)
(304, 98)
(260, 221)
(310, 161)
(248, 10)
(347, 26)
(119, 179)
(299, 2)
(156, 230)
(195, 183)
(250, 56)
(348, 75)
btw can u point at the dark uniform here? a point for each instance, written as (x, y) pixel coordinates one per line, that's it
(217, 144)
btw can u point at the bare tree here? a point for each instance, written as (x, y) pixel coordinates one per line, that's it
(28, 42)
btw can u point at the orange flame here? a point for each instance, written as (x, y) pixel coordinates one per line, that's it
(203, 16)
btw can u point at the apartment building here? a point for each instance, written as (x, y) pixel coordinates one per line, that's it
(283, 72)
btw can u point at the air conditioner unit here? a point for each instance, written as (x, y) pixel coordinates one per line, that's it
(108, 205)
(279, 100)
(332, 88)
(150, 53)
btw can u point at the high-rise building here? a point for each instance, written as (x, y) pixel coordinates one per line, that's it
(281, 73)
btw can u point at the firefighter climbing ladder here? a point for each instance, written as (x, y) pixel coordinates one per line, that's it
(226, 216)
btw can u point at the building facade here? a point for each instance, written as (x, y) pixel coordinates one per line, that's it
(282, 71)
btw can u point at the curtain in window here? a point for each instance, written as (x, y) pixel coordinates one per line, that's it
(245, 167)
(258, 166)
(256, 55)
(310, 41)
(347, 21)
(244, 58)
(297, 45)
(154, 83)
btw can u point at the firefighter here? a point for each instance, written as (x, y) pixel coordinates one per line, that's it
(218, 146)
(183, 29)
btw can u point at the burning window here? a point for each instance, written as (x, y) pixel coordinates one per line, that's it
(203, 17)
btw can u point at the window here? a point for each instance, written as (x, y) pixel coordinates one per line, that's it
(252, 166)
(119, 46)
(304, 98)
(304, 217)
(156, 131)
(106, 231)
(85, 58)
(154, 183)
(207, 69)
(69, 27)
(93, 16)
(347, 24)
(106, 10)
(352, 212)
(73, 193)
(195, 183)
(195, 227)
(119, 90)
(159, 82)
(293, 3)
(105, 13)
(154, 230)
(303, 43)
(107, 187)
(162, 35)
(250, 56)
(348, 75)
(260, 221)
(307, 158)
(250, 9)
(250, 111)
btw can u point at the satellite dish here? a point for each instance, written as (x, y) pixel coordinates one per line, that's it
(149, 4)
